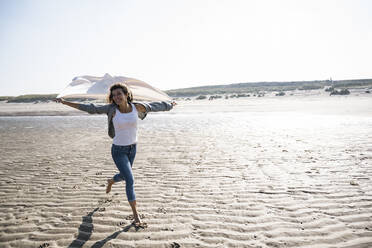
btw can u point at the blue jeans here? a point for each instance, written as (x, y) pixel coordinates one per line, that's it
(123, 157)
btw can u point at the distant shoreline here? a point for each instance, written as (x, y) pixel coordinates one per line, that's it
(211, 102)
(231, 90)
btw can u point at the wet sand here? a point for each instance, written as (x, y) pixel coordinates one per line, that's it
(288, 172)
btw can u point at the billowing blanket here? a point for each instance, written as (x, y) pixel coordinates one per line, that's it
(98, 87)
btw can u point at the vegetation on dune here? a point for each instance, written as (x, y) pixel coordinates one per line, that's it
(33, 98)
(5, 98)
(280, 94)
(201, 97)
(39, 98)
(341, 92)
(242, 88)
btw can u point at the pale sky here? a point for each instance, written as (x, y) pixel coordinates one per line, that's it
(181, 43)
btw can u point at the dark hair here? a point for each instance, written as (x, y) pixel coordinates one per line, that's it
(125, 90)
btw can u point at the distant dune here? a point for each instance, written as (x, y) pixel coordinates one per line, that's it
(237, 88)
(268, 86)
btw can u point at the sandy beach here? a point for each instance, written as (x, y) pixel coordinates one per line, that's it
(257, 172)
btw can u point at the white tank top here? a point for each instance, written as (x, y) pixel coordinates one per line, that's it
(125, 125)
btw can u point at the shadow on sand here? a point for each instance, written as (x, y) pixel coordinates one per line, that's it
(86, 230)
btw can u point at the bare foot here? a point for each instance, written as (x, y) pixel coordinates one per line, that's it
(139, 224)
(110, 182)
(137, 221)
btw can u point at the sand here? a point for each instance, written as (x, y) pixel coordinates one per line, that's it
(288, 172)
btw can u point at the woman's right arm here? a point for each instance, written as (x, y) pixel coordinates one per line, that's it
(64, 102)
(90, 108)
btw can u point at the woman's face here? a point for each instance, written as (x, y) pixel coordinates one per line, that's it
(118, 96)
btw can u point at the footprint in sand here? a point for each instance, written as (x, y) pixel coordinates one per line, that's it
(44, 245)
(161, 210)
(354, 183)
(121, 223)
(107, 200)
(175, 245)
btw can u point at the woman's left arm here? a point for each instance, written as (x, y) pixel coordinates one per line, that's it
(154, 106)
(144, 108)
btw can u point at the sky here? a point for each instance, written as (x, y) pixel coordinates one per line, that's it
(174, 44)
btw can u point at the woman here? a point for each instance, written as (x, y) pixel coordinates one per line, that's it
(122, 116)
